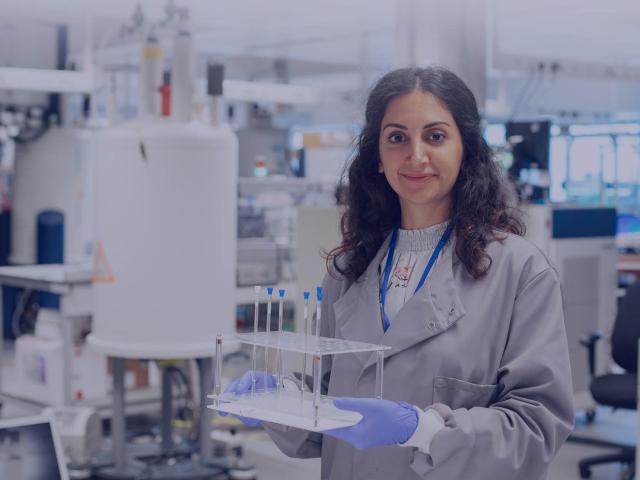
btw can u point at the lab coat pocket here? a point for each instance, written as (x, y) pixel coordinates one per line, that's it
(457, 393)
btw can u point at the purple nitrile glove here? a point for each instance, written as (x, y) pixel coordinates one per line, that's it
(383, 422)
(242, 385)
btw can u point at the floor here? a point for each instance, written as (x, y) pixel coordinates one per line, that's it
(619, 426)
(273, 465)
(565, 464)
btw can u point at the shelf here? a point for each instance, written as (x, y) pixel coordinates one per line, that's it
(628, 263)
(56, 278)
(287, 407)
(310, 344)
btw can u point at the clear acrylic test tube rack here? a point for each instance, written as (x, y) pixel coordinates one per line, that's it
(293, 407)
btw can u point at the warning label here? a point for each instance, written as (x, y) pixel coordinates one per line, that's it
(101, 269)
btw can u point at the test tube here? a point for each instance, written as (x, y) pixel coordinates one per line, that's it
(279, 351)
(217, 381)
(266, 349)
(318, 312)
(379, 371)
(317, 372)
(303, 381)
(256, 291)
(317, 359)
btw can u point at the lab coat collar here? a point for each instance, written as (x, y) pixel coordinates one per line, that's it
(432, 310)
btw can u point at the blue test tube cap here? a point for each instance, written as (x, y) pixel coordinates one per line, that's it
(269, 291)
(306, 295)
(281, 292)
(319, 293)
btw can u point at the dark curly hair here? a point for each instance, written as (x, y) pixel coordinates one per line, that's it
(481, 197)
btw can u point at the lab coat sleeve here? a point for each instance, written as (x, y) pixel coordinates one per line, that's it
(294, 442)
(518, 435)
(429, 423)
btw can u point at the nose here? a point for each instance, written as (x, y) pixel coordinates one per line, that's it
(418, 151)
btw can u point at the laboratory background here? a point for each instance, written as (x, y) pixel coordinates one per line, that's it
(161, 159)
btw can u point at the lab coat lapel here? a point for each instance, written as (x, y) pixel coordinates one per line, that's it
(432, 310)
(357, 312)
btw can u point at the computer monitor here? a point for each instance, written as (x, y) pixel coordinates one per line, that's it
(31, 449)
(530, 144)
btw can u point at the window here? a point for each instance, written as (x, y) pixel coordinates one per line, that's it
(628, 199)
(591, 170)
(558, 168)
(596, 165)
(494, 134)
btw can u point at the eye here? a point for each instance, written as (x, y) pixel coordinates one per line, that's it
(396, 137)
(436, 137)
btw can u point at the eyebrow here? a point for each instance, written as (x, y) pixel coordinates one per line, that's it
(403, 127)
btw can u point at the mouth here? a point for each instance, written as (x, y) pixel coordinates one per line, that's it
(418, 177)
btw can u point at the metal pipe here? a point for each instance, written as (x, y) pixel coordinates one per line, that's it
(218, 376)
(256, 304)
(205, 367)
(379, 373)
(67, 360)
(303, 379)
(118, 420)
(167, 408)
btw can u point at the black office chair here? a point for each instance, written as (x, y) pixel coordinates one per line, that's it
(617, 390)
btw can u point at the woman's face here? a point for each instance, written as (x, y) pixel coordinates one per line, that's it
(421, 152)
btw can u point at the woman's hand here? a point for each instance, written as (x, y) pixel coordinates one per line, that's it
(242, 385)
(383, 422)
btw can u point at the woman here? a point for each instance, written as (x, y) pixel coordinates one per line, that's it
(432, 263)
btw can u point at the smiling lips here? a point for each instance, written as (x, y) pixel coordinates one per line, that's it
(418, 177)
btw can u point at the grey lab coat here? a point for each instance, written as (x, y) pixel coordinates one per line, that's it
(489, 355)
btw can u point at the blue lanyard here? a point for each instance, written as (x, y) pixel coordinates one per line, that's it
(423, 278)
